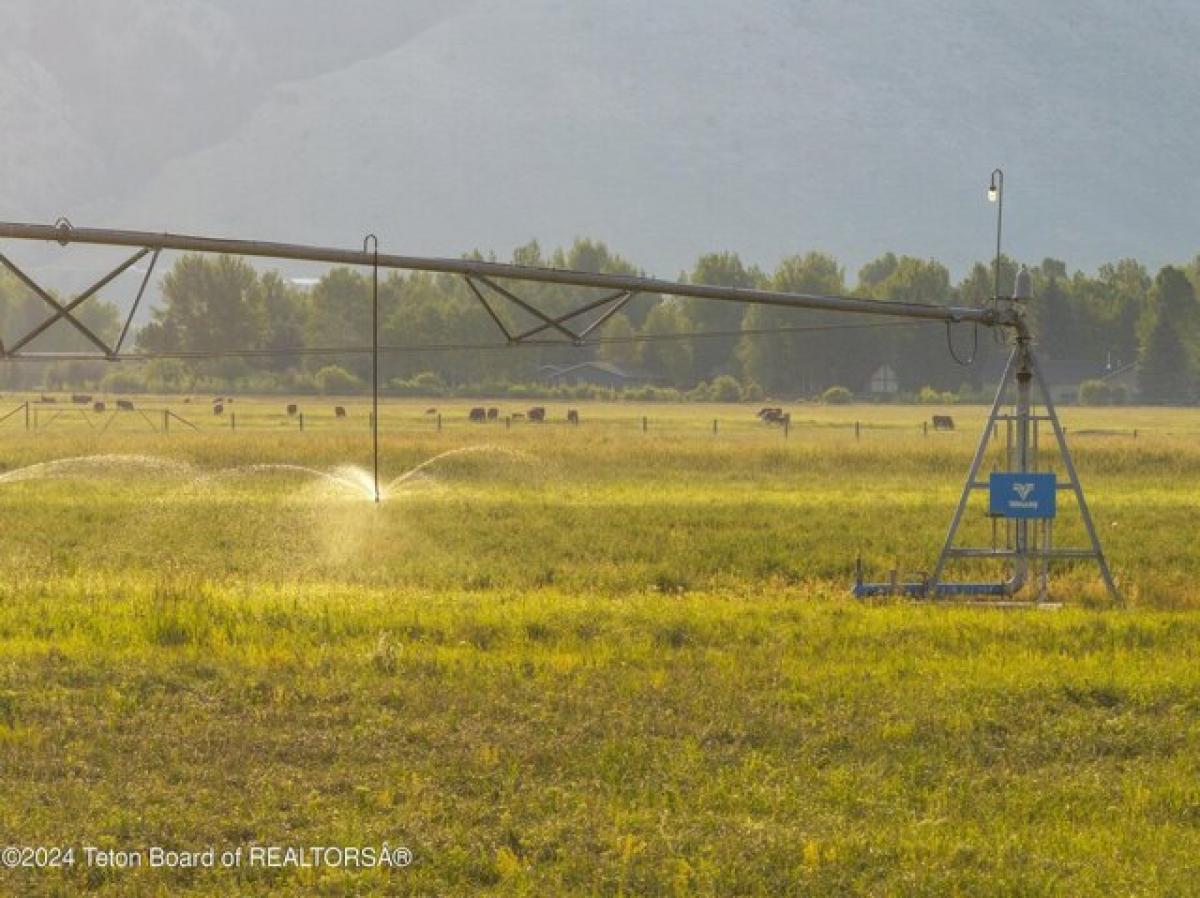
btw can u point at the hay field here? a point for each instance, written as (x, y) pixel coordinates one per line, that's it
(612, 659)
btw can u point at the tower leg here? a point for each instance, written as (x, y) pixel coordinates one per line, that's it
(976, 463)
(1076, 487)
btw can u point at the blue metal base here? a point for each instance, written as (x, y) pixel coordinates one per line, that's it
(923, 590)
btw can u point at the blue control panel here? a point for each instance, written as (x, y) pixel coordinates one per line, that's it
(1023, 495)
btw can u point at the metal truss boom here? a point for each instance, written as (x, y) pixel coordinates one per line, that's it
(487, 272)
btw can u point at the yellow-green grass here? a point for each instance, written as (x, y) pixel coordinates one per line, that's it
(590, 660)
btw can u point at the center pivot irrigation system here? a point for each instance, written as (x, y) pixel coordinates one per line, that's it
(1021, 497)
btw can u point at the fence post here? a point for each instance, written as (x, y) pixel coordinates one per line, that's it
(166, 421)
(787, 425)
(27, 414)
(439, 422)
(714, 426)
(508, 422)
(302, 422)
(233, 420)
(857, 431)
(645, 424)
(925, 428)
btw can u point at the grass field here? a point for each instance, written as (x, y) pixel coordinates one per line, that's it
(612, 659)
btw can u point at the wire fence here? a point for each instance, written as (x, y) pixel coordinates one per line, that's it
(170, 415)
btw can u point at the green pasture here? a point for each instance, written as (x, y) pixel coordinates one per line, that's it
(617, 658)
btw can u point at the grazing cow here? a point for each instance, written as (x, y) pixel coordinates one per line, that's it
(292, 409)
(98, 407)
(187, 400)
(218, 408)
(125, 405)
(478, 415)
(572, 416)
(537, 413)
(943, 422)
(339, 411)
(493, 414)
(46, 398)
(771, 415)
(431, 411)
(80, 399)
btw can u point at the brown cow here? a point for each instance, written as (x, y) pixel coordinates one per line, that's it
(292, 409)
(218, 408)
(80, 398)
(478, 414)
(537, 413)
(125, 405)
(771, 415)
(46, 398)
(339, 411)
(431, 411)
(572, 416)
(98, 407)
(943, 422)
(493, 414)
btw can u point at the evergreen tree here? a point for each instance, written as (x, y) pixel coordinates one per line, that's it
(1055, 320)
(1164, 367)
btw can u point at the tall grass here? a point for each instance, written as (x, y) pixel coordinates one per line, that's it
(613, 662)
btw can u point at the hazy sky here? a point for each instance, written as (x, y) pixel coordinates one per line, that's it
(667, 129)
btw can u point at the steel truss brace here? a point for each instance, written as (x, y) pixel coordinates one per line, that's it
(60, 311)
(615, 302)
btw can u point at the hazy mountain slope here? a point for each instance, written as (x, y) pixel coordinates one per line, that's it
(669, 128)
(95, 97)
(761, 125)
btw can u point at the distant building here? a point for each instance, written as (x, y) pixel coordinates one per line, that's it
(599, 374)
(1124, 376)
(884, 382)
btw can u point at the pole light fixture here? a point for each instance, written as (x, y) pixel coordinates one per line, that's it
(995, 194)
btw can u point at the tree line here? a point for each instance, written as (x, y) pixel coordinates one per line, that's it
(1116, 317)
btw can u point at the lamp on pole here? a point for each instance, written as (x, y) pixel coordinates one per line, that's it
(995, 194)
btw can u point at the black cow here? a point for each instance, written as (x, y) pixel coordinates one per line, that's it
(943, 422)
